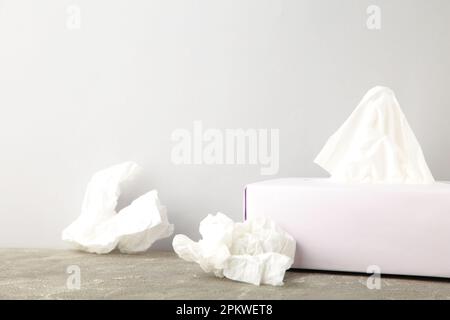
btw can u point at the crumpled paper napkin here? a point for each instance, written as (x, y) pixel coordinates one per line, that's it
(256, 251)
(100, 229)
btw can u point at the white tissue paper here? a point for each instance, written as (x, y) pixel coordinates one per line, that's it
(375, 145)
(100, 229)
(256, 251)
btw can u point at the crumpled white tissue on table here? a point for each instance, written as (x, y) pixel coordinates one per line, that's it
(256, 251)
(375, 145)
(100, 229)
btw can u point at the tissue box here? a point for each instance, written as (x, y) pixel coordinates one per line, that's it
(402, 229)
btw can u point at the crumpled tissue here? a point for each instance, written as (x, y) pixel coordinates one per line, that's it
(256, 251)
(100, 229)
(375, 145)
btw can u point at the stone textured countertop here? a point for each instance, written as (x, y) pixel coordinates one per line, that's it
(42, 274)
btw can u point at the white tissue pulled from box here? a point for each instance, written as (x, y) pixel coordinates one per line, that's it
(256, 251)
(375, 145)
(100, 229)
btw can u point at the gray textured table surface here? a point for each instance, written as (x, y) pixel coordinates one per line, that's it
(42, 274)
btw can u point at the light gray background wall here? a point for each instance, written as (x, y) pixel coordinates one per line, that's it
(75, 101)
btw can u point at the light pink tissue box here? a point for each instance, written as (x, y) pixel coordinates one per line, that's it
(402, 229)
